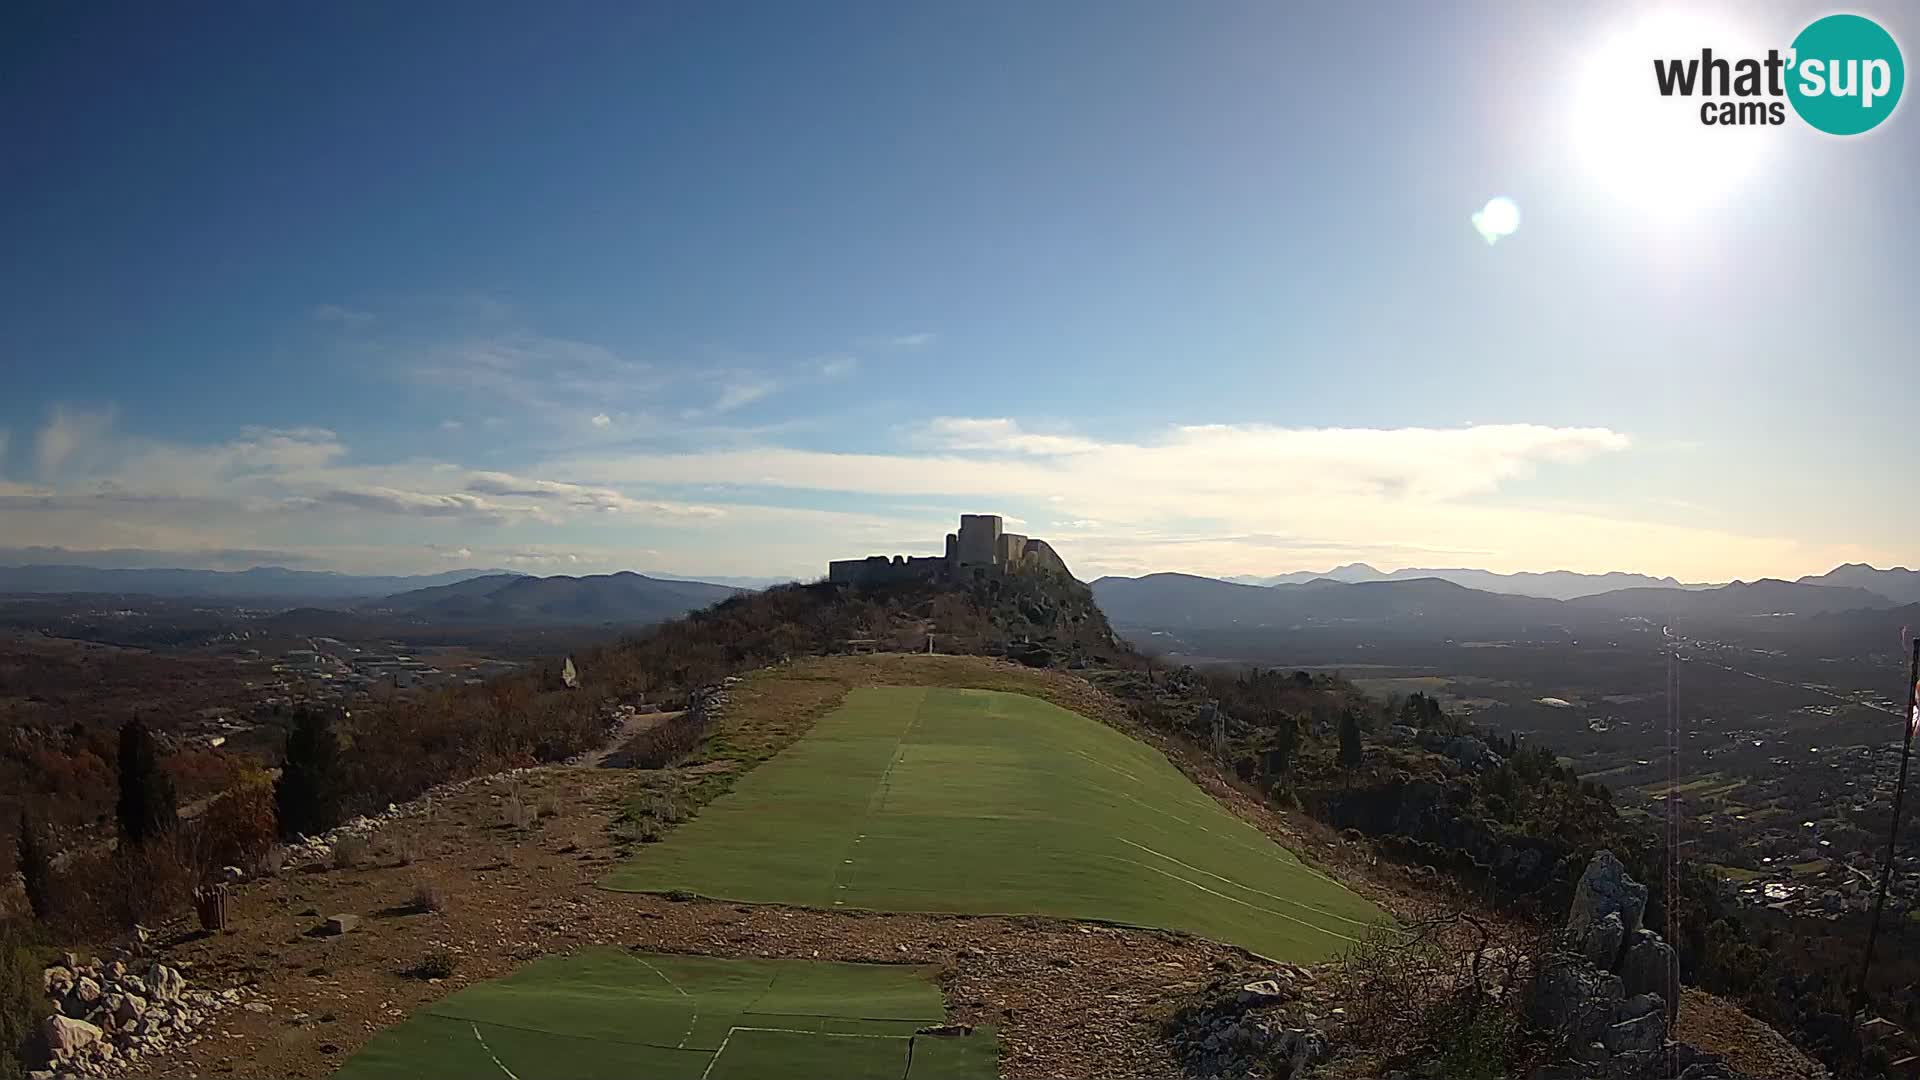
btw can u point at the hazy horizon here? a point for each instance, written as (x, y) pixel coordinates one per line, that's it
(402, 290)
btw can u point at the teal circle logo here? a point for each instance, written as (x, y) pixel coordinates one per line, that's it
(1846, 74)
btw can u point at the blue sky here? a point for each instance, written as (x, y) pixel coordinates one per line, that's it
(736, 288)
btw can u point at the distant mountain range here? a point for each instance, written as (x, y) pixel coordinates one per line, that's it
(625, 598)
(1899, 584)
(259, 583)
(1552, 585)
(1173, 601)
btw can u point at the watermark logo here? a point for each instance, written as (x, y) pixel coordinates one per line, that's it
(1843, 75)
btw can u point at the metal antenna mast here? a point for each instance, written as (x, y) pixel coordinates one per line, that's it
(1893, 835)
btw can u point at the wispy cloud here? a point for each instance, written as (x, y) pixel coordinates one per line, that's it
(70, 434)
(917, 340)
(838, 367)
(351, 318)
(742, 390)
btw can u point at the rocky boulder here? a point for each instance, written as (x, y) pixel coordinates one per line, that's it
(1649, 967)
(66, 1036)
(1605, 889)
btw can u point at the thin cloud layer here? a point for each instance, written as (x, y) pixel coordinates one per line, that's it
(1210, 498)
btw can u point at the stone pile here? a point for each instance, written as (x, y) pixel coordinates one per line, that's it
(1608, 992)
(111, 1014)
(1267, 1024)
(314, 849)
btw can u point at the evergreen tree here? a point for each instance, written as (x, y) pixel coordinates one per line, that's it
(1286, 740)
(147, 805)
(1349, 740)
(36, 865)
(307, 796)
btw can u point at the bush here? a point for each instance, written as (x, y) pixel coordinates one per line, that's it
(427, 897)
(240, 826)
(350, 851)
(1447, 992)
(515, 812)
(22, 1002)
(405, 849)
(147, 806)
(438, 964)
(105, 892)
(309, 793)
(35, 862)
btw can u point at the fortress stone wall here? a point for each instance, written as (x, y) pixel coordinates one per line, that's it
(980, 548)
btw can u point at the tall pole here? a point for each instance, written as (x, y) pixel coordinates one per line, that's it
(1893, 835)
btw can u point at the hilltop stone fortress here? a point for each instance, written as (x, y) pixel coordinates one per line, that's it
(978, 550)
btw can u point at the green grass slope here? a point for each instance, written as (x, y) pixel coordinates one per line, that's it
(974, 801)
(606, 1014)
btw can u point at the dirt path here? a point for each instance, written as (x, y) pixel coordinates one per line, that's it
(632, 726)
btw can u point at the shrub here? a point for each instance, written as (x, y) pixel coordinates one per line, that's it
(405, 849)
(515, 811)
(427, 896)
(147, 806)
(438, 964)
(240, 826)
(350, 851)
(22, 1002)
(35, 862)
(1448, 991)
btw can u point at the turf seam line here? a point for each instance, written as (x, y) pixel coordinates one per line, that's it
(1249, 888)
(878, 798)
(691, 1024)
(1234, 899)
(553, 1033)
(496, 1058)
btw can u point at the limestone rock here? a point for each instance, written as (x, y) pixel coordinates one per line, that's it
(1264, 992)
(1603, 941)
(164, 983)
(86, 991)
(1604, 888)
(341, 924)
(65, 1035)
(1642, 1034)
(1649, 967)
(1574, 999)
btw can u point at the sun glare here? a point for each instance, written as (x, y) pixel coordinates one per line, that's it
(1652, 153)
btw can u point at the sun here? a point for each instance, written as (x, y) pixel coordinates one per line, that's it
(1652, 153)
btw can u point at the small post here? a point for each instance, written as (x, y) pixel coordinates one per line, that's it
(1893, 836)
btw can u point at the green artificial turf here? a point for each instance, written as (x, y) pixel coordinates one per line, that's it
(607, 1014)
(975, 801)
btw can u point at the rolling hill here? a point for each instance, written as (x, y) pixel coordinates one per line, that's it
(1741, 599)
(1899, 584)
(1551, 585)
(1177, 601)
(259, 583)
(1182, 600)
(625, 597)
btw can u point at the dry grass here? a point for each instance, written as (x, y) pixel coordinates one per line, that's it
(427, 896)
(350, 852)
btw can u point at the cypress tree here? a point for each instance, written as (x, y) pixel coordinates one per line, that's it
(147, 806)
(308, 794)
(1349, 740)
(36, 866)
